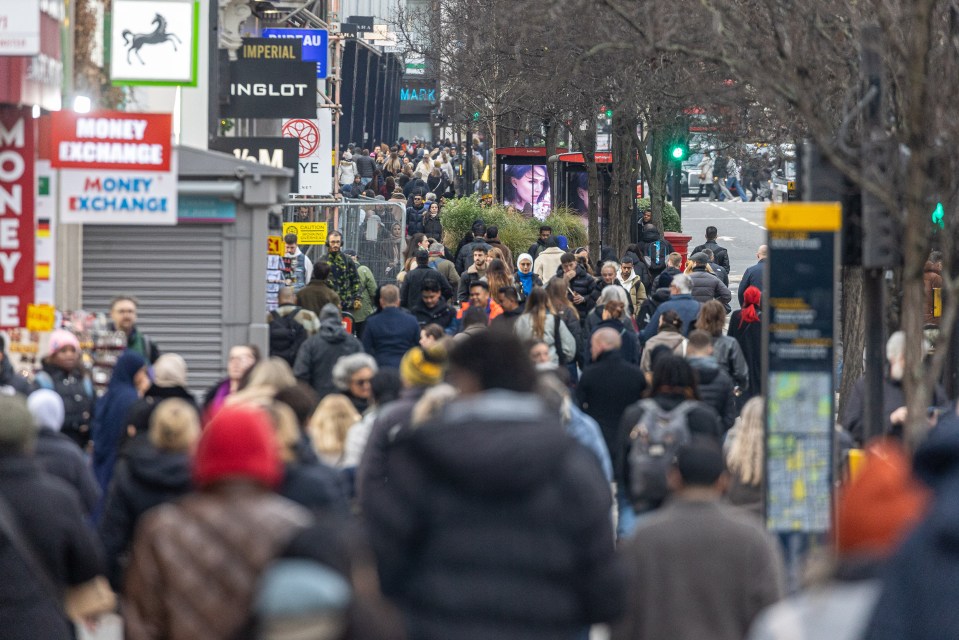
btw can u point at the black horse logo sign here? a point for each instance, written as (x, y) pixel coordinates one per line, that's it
(134, 41)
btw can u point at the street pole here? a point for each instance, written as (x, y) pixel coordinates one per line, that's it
(468, 169)
(872, 289)
(677, 189)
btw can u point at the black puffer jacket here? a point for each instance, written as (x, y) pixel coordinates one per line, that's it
(144, 478)
(495, 496)
(585, 285)
(715, 388)
(76, 390)
(432, 227)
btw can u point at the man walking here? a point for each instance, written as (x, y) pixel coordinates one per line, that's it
(538, 560)
(392, 331)
(123, 317)
(720, 254)
(753, 276)
(344, 277)
(297, 268)
(705, 285)
(679, 301)
(699, 568)
(606, 388)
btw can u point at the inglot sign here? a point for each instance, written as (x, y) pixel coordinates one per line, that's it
(271, 82)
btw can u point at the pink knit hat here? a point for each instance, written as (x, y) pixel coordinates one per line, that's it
(62, 338)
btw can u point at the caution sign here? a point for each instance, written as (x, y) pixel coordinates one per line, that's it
(306, 232)
(275, 246)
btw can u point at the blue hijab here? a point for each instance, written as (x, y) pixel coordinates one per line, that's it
(110, 415)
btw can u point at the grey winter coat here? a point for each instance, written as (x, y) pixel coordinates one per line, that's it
(706, 287)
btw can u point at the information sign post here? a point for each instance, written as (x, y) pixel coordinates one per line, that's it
(799, 308)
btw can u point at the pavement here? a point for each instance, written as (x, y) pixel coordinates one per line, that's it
(741, 227)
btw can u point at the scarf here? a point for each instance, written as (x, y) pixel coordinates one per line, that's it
(525, 279)
(751, 298)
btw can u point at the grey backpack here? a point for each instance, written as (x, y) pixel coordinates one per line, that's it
(654, 441)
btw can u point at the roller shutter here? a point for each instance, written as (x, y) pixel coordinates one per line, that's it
(177, 274)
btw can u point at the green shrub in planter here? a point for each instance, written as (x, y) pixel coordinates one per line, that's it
(515, 230)
(671, 221)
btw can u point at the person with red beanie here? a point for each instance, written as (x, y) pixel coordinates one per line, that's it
(875, 513)
(196, 563)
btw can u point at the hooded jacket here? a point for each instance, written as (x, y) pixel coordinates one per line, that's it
(715, 388)
(315, 359)
(547, 262)
(110, 415)
(496, 496)
(145, 477)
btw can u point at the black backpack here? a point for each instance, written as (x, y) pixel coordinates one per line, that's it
(286, 335)
(656, 253)
(653, 444)
(721, 167)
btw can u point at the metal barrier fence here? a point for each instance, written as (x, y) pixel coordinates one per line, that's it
(375, 229)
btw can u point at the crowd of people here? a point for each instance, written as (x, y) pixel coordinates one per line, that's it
(500, 446)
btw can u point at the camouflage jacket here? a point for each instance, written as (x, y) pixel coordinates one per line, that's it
(344, 279)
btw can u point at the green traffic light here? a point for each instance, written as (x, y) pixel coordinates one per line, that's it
(678, 152)
(476, 115)
(938, 216)
(609, 113)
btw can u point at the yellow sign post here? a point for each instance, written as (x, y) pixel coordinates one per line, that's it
(41, 317)
(306, 232)
(275, 246)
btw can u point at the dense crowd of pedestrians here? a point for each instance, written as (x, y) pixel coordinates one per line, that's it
(499, 448)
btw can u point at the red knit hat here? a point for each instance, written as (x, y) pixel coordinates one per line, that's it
(878, 508)
(238, 443)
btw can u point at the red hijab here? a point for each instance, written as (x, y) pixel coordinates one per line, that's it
(751, 298)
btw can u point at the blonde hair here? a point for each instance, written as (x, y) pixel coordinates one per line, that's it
(174, 426)
(274, 372)
(286, 427)
(329, 424)
(745, 456)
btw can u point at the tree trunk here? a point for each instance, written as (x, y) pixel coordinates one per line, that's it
(853, 332)
(657, 175)
(623, 189)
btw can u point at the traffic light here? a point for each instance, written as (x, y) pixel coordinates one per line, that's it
(609, 113)
(678, 150)
(476, 116)
(938, 216)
